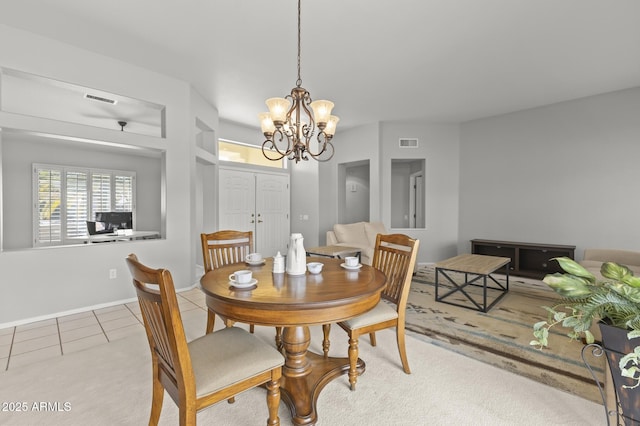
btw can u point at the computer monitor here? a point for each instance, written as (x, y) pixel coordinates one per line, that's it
(114, 220)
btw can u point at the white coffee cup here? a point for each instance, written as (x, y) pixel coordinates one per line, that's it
(254, 257)
(351, 261)
(241, 277)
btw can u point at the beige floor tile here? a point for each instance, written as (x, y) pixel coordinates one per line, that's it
(34, 333)
(4, 363)
(122, 332)
(5, 350)
(119, 322)
(84, 343)
(37, 324)
(133, 307)
(110, 309)
(80, 333)
(35, 344)
(113, 315)
(34, 356)
(6, 339)
(78, 323)
(6, 331)
(186, 305)
(75, 317)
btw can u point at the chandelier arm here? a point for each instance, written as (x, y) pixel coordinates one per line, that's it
(309, 129)
(269, 145)
(321, 157)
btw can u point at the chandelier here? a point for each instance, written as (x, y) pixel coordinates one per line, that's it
(292, 122)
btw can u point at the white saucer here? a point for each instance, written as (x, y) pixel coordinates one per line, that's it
(259, 262)
(244, 285)
(352, 268)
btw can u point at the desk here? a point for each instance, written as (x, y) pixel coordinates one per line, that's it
(481, 267)
(295, 302)
(101, 238)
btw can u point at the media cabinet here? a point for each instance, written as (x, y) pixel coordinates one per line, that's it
(527, 259)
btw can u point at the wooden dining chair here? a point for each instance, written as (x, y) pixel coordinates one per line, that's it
(209, 369)
(223, 248)
(394, 255)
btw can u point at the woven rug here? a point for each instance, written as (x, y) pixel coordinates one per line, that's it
(501, 336)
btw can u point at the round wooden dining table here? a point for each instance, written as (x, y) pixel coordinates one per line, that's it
(294, 303)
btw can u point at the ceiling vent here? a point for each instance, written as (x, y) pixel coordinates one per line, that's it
(100, 99)
(408, 142)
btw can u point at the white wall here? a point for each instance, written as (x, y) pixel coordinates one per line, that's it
(561, 174)
(351, 145)
(38, 283)
(439, 147)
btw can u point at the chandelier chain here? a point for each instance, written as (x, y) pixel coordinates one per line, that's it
(299, 81)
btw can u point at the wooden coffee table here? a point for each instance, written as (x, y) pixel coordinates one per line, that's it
(480, 267)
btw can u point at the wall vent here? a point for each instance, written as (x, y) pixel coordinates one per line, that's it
(100, 99)
(408, 142)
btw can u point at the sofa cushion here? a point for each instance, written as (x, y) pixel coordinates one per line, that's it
(352, 233)
(372, 229)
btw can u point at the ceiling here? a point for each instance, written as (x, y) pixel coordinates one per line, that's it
(382, 60)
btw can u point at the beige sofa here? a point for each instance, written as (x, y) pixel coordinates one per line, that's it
(360, 234)
(594, 258)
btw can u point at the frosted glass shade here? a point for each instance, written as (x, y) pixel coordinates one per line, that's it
(331, 125)
(266, 123)
(278, 108)
(321, 110)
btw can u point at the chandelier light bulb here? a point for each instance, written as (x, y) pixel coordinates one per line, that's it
(266, 123)
(330, 129)
(278, 108)
(321, 110)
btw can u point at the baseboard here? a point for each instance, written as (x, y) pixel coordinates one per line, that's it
(81, 310)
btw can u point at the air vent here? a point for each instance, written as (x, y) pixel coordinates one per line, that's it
(100, 99)
(408, 143)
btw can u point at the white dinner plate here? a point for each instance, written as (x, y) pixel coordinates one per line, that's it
(244, 285)
(352, 268)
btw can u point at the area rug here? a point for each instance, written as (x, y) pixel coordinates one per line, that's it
(501, 336)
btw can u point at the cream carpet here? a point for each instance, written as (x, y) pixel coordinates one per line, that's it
(111, 385)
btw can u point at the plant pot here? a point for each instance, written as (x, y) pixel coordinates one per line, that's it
(617, 345)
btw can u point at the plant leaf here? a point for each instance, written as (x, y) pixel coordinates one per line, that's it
(572, 267)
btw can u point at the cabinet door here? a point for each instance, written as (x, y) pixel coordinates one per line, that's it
(272, 213)
(236, 200)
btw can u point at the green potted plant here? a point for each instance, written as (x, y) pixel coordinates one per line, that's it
(614, 303)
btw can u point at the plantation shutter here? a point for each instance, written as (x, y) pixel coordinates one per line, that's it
(100, 193)
(123, 193)
(48, 203)
(76, 203)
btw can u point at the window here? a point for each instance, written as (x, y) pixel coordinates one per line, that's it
(244, 153)
(66, 197)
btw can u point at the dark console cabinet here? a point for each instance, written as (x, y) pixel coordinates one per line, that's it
(527, 259)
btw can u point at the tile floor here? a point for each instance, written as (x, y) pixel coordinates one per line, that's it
(55, 337)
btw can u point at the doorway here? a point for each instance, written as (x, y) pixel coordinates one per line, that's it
(354, 192)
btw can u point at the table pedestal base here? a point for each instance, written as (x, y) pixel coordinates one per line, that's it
(305, 374)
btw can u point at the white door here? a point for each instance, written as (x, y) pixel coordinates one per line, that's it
(236, 201)
(258, 202)
(272, 213)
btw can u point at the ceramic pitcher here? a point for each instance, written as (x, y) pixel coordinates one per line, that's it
(296, 257)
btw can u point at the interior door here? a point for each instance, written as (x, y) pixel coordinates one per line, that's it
(236, 200)
(272, 213)
(258, 202)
